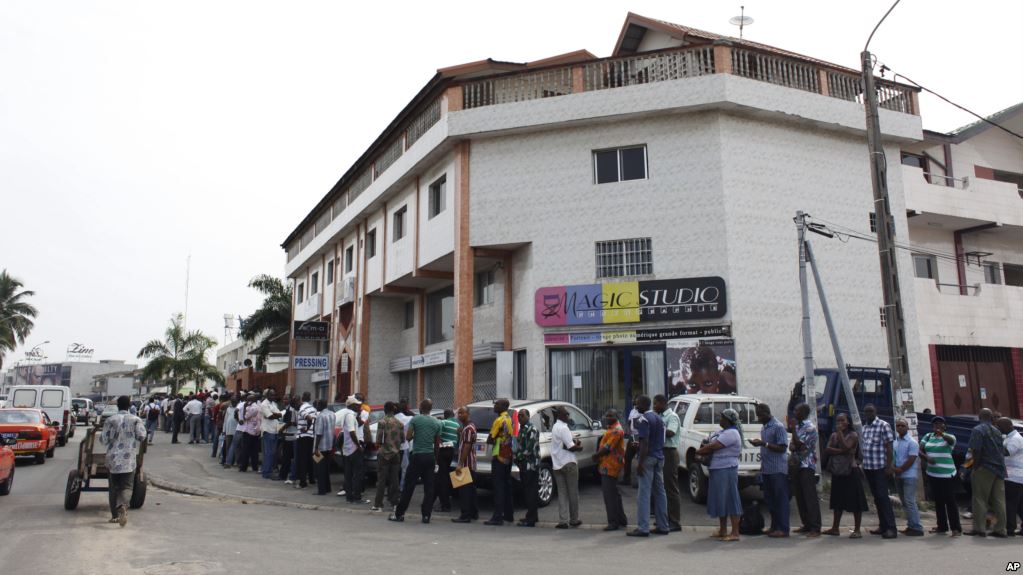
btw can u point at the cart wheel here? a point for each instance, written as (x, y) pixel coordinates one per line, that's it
(138, 491)
(73, 491)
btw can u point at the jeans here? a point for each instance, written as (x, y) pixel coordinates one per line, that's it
(304, 467)
(567, 479)
(501, 476)
(803, 485)
(215, 439)
(354, 477)
(531, 490)
(878, 482)
(467, 499)
(776, 494)
(420, 467)
(269, 454)
(293, 468)
(150, 430)
(205, 429)
(651, 484)
(443, 487)
(388, 472)
(227, 453)
(907, 494)
(671, 486)
(120, 490)
(613, 501)
(988, 495)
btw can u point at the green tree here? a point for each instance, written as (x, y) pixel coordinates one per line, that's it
(180, 357)
(16, 314)
(271, 319)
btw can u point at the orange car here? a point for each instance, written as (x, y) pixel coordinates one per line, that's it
(6, 465)
(35, 433)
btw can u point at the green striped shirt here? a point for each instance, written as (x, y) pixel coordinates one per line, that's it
(936, 448)
(449, 432)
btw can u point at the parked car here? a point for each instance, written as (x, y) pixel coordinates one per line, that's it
(699, 414)
(35, 433)
(55, 400)
(583, 428)
(7, 464)
(370, 457)
(108, 410)
(82, 409)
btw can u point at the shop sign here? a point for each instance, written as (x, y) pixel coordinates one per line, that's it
(630, 302)
(430, 359)
(583, 338)
(312, 330)
(317, 362)
(322, 375)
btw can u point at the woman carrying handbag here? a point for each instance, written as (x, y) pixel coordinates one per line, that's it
(847, 494)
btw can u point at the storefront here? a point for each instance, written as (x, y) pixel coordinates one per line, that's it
(599, 366)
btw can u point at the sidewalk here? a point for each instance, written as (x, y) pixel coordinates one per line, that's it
(190, 469)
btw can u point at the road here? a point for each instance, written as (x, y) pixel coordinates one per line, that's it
(177, 534)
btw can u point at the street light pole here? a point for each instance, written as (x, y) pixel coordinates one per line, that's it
(895, 331)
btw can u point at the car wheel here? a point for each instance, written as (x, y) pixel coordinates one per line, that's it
(6, 486)
(138, 490)
(73, 491)
(40, 457)
(545, 486)
(49, 453)
(697, 483)
(62, 439)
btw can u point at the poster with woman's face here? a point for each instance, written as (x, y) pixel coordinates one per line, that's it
(701, 366)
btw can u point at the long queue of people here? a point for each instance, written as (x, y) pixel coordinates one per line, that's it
(294, 441)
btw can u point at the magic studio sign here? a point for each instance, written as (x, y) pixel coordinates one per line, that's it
(631, 301)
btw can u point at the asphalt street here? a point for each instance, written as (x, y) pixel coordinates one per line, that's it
(180, 534)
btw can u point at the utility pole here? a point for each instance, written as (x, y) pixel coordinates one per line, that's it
(809, 385)
(895, 330)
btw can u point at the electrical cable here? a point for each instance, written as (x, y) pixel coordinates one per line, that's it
(963, 108)
(840, 231)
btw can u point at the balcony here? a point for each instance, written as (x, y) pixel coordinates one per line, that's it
(960, 203)
(991, 315)
(675, 64)
(345, 291)
(309, 309)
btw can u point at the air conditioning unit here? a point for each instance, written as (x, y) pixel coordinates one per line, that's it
(346, 291)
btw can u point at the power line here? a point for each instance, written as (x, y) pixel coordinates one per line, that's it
(963, 108)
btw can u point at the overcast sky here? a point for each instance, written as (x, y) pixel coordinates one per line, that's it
(133, 134)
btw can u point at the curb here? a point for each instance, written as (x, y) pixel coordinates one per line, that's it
(156, 481)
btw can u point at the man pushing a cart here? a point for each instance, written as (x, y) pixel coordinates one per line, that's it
(122, 434)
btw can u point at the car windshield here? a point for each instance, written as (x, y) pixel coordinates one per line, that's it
(483, 417)
(110, 410)
(19, 417)
(376, 415)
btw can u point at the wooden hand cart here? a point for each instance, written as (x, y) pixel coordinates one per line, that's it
(92, 465)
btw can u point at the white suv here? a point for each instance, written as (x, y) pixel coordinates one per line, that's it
(699, 414)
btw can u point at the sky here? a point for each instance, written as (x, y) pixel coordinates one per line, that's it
(138, 136)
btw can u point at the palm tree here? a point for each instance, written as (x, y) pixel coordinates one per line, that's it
(16, 314)
(181, 356)
(271, 319)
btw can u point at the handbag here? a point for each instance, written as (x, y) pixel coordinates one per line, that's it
(460, 477)
(840, 464)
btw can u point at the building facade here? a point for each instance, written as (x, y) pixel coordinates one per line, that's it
(964, 193)
(588, 229)
(78, 375)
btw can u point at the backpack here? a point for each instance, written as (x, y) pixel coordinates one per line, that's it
(751, 522)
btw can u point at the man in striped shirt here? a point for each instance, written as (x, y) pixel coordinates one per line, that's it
(304, 448)
(467, 460)
(445, 455)
(936, 451)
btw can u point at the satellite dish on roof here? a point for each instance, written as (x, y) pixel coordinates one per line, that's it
(742, 20)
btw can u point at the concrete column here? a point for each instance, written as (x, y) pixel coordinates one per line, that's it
(463, 280)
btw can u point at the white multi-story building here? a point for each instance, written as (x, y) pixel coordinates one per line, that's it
(620, 225)
(77, 375)
(964, 193)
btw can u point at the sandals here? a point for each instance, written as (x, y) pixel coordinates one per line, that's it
(833, 532)
(729, 538)
(855, 535)
(718, 535)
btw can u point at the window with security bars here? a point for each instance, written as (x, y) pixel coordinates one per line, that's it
(631, 257)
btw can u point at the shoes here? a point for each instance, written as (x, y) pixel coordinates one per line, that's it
(877, 531)
(288, 482)
(637, 533)
(122, 516)
(561, 526)
(891, 535)
(802, 530)
(443, 509)
(112, 520)
(913, 533)
(674, 527)
(660, 531)
(937, 530)
(575, 523)
(813, 534)
(967, 515)
(375, 509)
(999, 535)
(461, 520)
(777, 534)
(301, 486)
(493, 522)
(975, 533)
(525, 523)
(611, 528)
(396, 518)
(341, 493)
(426, 519)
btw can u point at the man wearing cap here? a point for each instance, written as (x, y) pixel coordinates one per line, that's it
(351, 449)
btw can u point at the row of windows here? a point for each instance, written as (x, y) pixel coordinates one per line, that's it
(926, 266)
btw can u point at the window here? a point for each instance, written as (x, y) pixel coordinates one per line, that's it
(371, 243)
(681, 409)
(24, 398)
(925, 266)
(440, 315)
(314, 284)
(1013, 274)
(631, 257)
(349, 259)
(873, 222)
(330, 272)
(619, 165)
(438, 196)
(399, 223)
(301, 292)
(915, 160)
(52, 398)
(576, 420)
(519, 375)
(410, 314)
(992, 275)
(485, 288)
